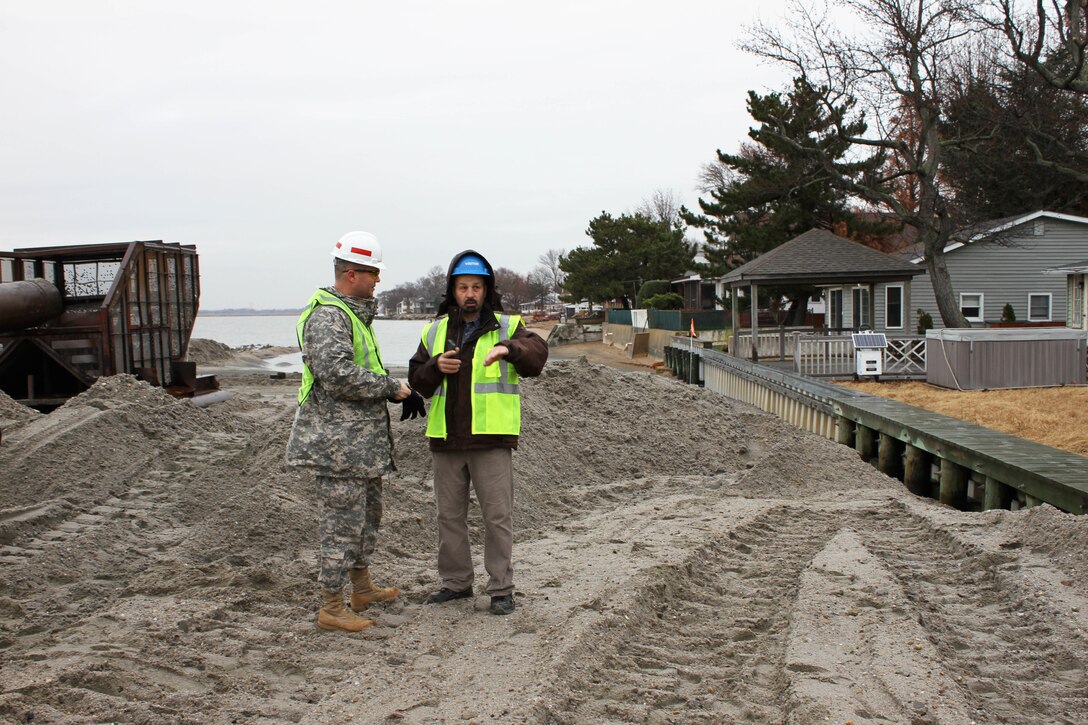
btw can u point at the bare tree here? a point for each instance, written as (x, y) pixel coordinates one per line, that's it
(432, 286)
(888, 71)
(661, 206)
(539, 282)
(513, 287)
(1051, 37)
(391, 299)
(549, 261)
(714, 175)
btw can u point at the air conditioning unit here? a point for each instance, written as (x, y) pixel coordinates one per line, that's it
(869, 353)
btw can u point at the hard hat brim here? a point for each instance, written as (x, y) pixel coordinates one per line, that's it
(368, 263)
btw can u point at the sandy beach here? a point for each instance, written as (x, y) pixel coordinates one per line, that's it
(679, 558)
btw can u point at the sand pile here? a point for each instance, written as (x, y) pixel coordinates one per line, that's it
(13, 415)
(676, 554)
(208, 352)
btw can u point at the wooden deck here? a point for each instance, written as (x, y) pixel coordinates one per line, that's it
(1041, 472)
(904, 441)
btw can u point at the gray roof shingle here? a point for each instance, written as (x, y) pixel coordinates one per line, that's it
(818, 256)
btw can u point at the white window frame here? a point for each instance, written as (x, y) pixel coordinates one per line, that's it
(981, 306)
(1049, 306)
(902, 315)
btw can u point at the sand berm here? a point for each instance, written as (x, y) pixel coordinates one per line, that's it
(680, 558)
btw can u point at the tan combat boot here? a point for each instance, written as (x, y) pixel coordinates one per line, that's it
(334, 615)
(364, 593)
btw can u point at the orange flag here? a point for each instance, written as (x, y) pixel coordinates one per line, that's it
(693, 327)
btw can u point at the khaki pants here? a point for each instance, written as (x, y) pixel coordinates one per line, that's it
(491, 473)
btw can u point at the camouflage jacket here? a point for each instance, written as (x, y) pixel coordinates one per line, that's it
(342, 429)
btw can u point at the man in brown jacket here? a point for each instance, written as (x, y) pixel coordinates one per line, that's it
(469, 362)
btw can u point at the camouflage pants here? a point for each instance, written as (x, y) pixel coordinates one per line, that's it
(351, 512)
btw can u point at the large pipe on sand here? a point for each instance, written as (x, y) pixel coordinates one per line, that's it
(28, 303)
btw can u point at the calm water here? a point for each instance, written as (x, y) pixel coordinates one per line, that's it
(398, 339)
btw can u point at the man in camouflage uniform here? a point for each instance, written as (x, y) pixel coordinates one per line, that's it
(341, 430)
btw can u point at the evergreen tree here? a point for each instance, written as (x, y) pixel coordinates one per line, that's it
(777, 188)
(626, 250)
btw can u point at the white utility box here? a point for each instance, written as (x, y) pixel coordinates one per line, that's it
(869, 353)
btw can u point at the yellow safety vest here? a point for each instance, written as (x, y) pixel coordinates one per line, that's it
(363, 342)
(495, 401)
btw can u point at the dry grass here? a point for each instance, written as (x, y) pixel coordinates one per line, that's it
(1056, 417)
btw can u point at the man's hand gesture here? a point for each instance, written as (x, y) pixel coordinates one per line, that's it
(448, 362)
(495, 354)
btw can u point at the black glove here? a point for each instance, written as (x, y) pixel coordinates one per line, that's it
(413, 406)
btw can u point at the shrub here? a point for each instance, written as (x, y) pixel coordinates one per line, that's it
(925, 321)
(1008, 314)
(668, 301)
(651, 288)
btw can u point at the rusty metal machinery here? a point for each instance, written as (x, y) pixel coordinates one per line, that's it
(28, 303)
(69, 315)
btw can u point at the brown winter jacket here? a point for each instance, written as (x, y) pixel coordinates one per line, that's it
(528, 353)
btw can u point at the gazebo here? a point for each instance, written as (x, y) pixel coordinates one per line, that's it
(822, 259)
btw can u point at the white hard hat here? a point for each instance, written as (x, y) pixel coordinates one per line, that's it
(360, 248)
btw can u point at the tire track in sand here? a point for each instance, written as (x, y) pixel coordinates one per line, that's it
(706, 641)
(145, 505)
(1014, 660)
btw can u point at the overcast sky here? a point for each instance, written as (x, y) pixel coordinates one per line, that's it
(262, 131)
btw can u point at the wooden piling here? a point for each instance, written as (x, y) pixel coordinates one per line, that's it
(918, 471)
(996, 496)
(890, 456)
(844, 431)
(865, 442)
(953, 483)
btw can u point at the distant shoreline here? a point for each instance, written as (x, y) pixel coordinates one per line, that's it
(292, 313)
(249, 313)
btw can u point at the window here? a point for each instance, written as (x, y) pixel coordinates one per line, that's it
(863, 314)
(1039, 307)
(971, 306)
(834, 309)
(893, 307)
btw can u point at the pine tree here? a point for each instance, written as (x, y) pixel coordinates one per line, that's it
(626, 250)
(773, 190)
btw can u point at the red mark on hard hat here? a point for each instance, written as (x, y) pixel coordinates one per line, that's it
(364, 252)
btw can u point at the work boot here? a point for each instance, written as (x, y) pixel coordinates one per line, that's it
(503, 604)
(444, 595)
(364, 593)
(334, 615)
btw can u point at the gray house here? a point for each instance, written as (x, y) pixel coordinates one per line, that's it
(1076, 280)
(1003, 262)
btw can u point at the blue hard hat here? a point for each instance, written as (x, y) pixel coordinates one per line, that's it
(471, 264)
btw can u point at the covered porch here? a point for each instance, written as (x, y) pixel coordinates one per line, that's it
(861, 289)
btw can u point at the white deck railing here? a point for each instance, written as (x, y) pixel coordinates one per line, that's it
(819, 355)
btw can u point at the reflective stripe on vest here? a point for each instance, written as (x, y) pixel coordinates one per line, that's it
(495, 401)
(364, 344)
